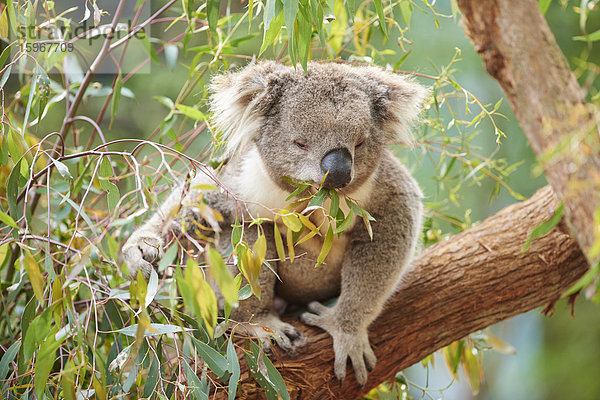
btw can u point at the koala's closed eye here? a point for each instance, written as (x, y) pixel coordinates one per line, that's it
(301, 145)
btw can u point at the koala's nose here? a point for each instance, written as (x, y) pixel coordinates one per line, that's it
(339, 164)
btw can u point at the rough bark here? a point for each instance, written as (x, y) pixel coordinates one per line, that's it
(458, 286)
(520, 52)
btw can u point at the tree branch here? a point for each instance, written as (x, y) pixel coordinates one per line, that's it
(466, 283)
(520, 52)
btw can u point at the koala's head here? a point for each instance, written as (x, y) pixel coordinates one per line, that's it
(334, 120)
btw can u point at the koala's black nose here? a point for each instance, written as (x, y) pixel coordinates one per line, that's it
(339, 164)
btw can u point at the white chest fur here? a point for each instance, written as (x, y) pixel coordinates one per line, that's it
(254, 185)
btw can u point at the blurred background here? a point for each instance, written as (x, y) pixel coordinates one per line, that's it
(556, 357)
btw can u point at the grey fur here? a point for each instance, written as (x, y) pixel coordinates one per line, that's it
(263, 110)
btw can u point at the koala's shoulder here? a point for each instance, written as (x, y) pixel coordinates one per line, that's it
(394, 178)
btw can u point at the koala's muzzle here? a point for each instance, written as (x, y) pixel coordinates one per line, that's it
(339, 164)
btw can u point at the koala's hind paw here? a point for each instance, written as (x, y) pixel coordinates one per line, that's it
(141, 251)
(354, 344)
(269, 326)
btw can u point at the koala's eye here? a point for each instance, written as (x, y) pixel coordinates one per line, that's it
(360, 143)
(301, 145)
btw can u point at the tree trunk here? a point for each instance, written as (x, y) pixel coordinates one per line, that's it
(473, 280)
(520, 52)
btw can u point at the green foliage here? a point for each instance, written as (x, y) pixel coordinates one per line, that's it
(74, 324)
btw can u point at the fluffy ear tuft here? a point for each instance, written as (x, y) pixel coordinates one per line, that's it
(397, 102)
(241, 99)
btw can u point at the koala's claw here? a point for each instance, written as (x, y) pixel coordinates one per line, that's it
(141, 251)
(354, 345)
(277, 332)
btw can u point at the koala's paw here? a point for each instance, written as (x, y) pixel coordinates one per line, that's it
(269, 327)
(354, 345)
(142, 250)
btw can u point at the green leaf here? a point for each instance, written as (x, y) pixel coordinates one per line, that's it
(290, 10)
(32, 91)
(544, 228)
(153, 376)
(193, 382)
(155, 330)
(191, 112)
(139, 3)
(472, 368)
(223, 277)
(16, 145)
(592, 37)
(318, 198)
(105, 173)
(278, 242)
(152, 288)
(381, 17)
(334, 204)
(8, 358)
(35, 276)
(292, 221)
(67, 381)
(149, 48)
(339, 228)
(236, 233)
(6, 74)
(212, 13)
(252, 357)
(338, 27)
(12, 191)
(326, 246)
(165, 101)
(272, 33)
(276, 379)
(544, 4)
(37, 332)
(351, 8)
(406, 11)
(204, 301)
(233, 366)
(270, 12)
(498, 345)
(215, 360)
(171, 54)
(9, 221)
(62, 169)
(116, 97)
(301, 187)
(168, 258)
(44, 362)
(12, 17)
(245, 293)
(4, 150)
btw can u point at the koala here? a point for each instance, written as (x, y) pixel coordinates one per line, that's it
(328, 125)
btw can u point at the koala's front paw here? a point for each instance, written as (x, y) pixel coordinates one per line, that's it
(345, 344)
(142, 250)
(269, 326)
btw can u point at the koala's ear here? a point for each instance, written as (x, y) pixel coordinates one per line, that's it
(397, 103)
(240, 101)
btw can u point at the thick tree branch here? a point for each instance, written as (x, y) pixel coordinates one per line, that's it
(520, 52)
(458, 286)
